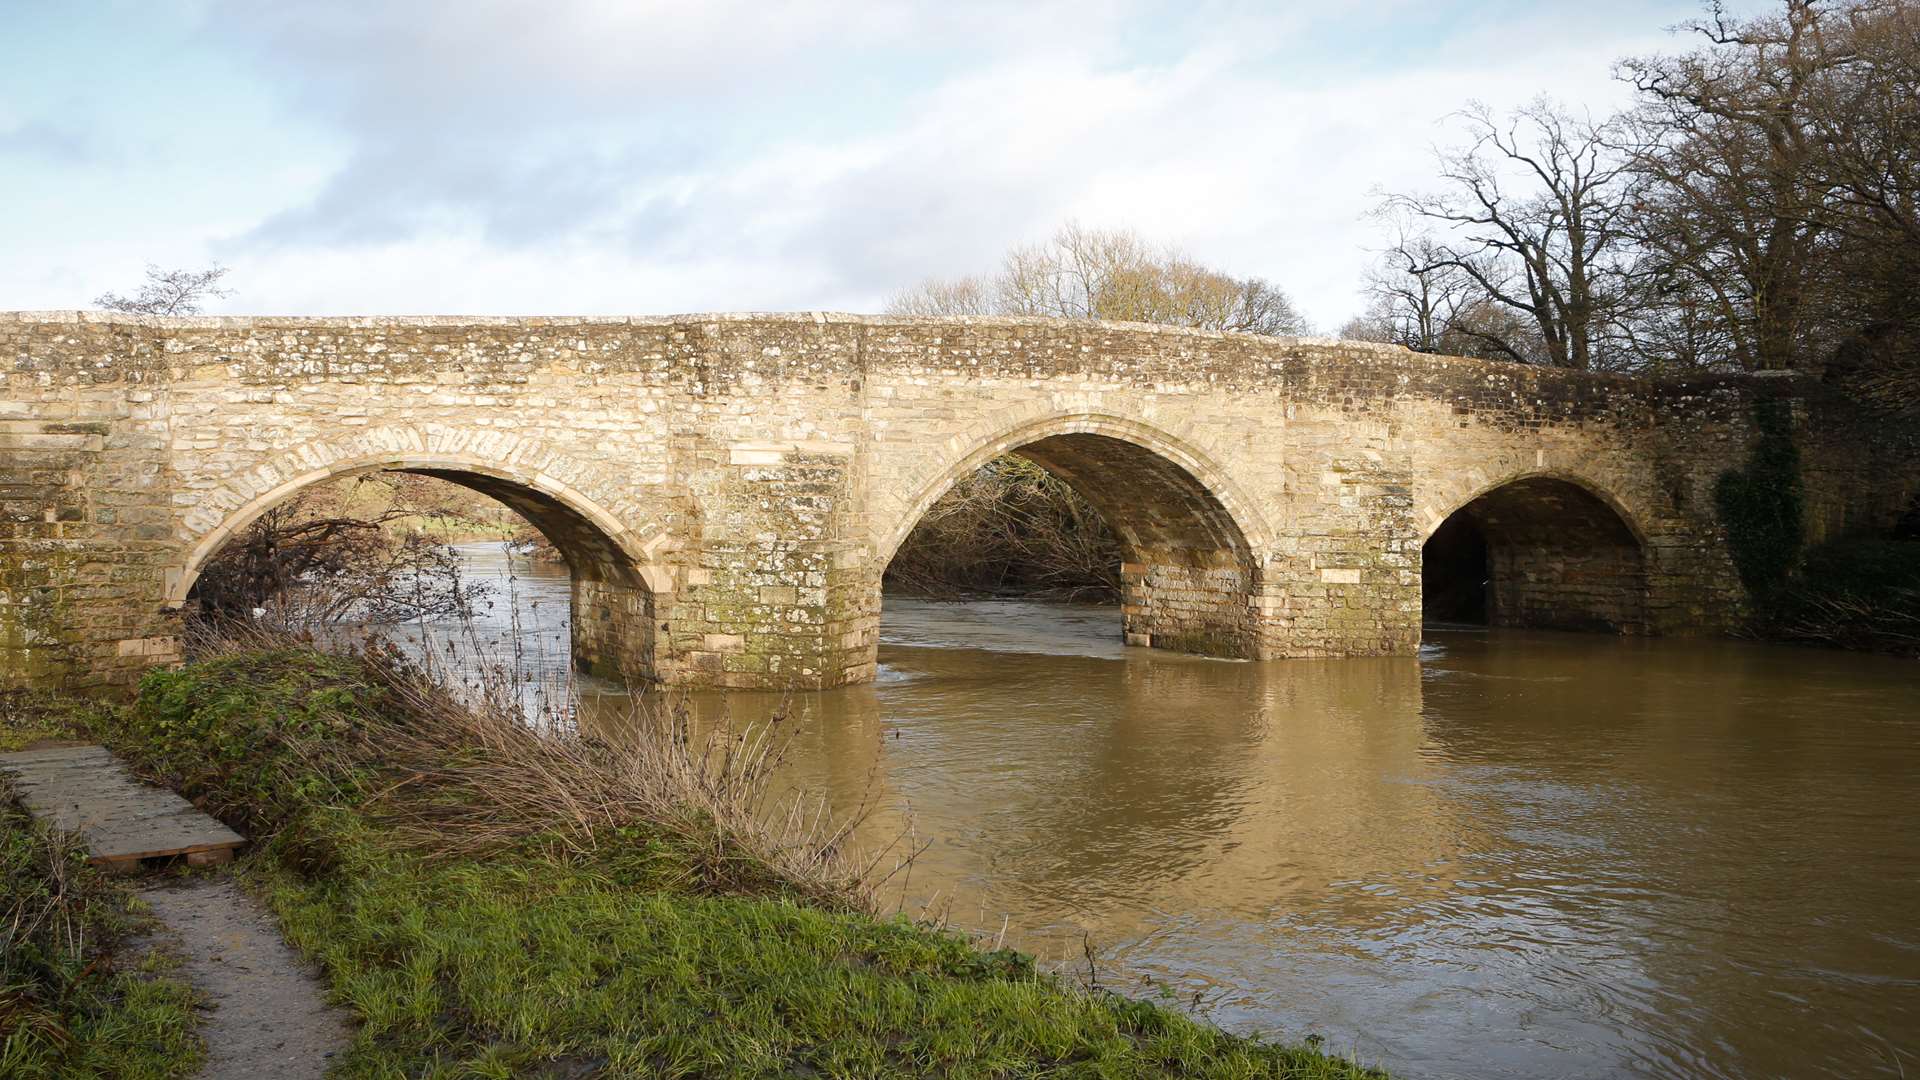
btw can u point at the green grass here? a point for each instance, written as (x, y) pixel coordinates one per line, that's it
(22, 734)
(633, 960)
(524, 961)
(76, 1000)
(28, 717)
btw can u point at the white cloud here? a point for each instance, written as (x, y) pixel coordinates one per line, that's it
(610, 157)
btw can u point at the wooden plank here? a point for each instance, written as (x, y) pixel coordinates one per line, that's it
(85, 789)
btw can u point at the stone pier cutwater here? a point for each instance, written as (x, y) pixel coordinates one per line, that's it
(728, 489)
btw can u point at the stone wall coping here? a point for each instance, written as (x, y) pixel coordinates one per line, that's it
(771, 318)
(78, 317)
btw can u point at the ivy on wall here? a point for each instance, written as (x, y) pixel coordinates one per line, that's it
(1761, 506)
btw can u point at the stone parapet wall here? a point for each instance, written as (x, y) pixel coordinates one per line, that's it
(729, 488)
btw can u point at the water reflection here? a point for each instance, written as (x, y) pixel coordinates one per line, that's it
(1517, 855)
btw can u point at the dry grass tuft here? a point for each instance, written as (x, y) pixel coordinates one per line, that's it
(477, 775)
(53, 912)
(465, 766)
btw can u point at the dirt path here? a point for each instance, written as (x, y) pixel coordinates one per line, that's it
(270, 1017)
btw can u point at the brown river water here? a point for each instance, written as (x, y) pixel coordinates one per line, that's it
(1518, 854)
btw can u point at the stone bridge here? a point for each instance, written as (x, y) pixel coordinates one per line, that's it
(728, 489)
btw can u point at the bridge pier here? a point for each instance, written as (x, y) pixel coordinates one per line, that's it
(1190, 602)
(773, 616)
(615, 631)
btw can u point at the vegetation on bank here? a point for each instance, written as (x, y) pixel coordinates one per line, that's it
(78, 997)
(491, 900)
(28, 717)
(1861, 594)
(1856, 592)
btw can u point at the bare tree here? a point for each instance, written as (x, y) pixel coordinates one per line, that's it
(945, 296)
(1109, 274)
(1781, 189)
(1866, 120)
(1532, 214)
(1078, 274)
(1416, 298)
(1679, 325)
(1175, 290)
(1733, 204)
(169, 292)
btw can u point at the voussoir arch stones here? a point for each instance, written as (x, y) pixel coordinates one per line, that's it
(236, 497)
(898, 506)
(1439, 496)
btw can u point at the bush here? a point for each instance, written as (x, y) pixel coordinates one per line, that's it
(257, 736)
(1011, 528)
(270, 737)
(372, 548)
(1854, 593)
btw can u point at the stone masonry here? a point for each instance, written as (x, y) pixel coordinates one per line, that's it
(728, 489)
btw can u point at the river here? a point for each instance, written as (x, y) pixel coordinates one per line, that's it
(1518, 854)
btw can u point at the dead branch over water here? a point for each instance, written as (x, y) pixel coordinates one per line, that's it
(1010, 528)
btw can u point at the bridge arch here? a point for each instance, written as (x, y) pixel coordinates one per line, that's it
(1546, 548)
(620, 579)
(966, 452)
(1449, 494)
(1191, 538)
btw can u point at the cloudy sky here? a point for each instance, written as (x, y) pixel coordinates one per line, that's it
(622, 156)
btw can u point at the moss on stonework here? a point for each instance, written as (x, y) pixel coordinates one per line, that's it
(1204, 643)
(32, 606)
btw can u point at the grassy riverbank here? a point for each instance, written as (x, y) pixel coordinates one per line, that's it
(78, 997)
(493, 903)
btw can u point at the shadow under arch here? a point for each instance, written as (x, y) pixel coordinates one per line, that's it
(1207, 476)
(615, 577)
(1544, 549)
(1190, 569)
(1457, 499)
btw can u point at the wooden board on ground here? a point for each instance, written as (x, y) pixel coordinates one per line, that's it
(85, 789)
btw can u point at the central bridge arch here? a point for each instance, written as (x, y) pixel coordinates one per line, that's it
(1191, 541)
